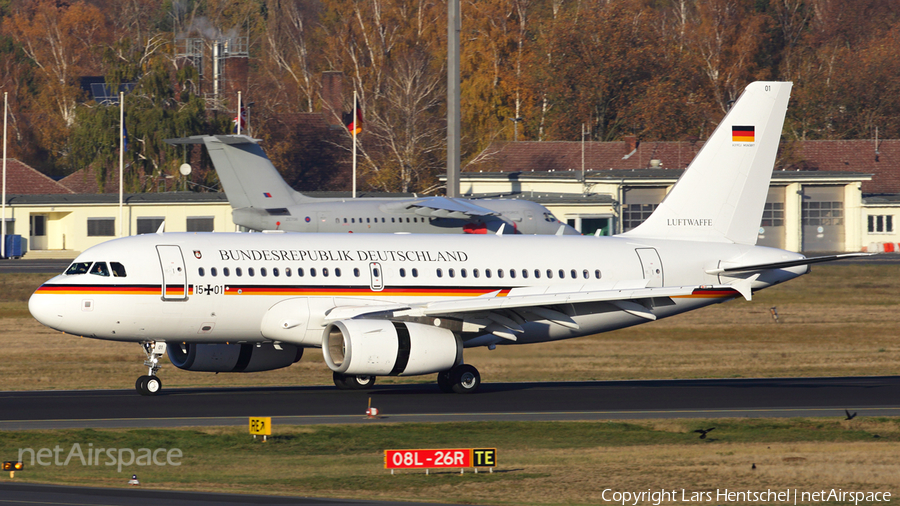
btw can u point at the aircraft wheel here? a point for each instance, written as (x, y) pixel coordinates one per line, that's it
(141, 385)
(464, 379)
(153, 385)
(443, 381)
(352, 381)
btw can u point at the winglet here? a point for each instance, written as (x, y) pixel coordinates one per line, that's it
(162, 227)
(500, 230)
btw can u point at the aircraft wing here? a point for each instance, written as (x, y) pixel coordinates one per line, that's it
(503, 315)
(781, 265)
(441, 207)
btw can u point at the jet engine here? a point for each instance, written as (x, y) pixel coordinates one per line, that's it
(233, 357)
(388, 348)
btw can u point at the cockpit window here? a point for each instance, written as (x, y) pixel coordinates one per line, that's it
(78, 268)
(100, 269)
(117, 269)
(550, 218)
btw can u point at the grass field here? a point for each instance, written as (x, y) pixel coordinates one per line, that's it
(539, 463)
(839, 320)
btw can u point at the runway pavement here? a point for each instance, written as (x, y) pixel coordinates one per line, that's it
(783, 397)
(19, 494)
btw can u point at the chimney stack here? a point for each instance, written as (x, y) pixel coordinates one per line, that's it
(332, 96)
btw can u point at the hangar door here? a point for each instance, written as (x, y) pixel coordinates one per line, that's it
(823, 218)
(771, 228)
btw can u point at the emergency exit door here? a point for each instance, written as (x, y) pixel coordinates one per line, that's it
(652, 266)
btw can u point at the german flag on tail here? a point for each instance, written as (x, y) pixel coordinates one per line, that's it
(743, 134)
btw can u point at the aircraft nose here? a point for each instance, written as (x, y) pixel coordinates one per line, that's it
(46, 309)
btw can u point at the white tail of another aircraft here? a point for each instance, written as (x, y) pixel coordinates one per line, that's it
(721, 196)
(246, 173)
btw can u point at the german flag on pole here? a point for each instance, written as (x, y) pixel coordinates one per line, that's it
(743, 134)
(350, 123)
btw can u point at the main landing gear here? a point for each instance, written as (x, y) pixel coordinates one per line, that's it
(151, 384)
(352, 381)
(462, 379)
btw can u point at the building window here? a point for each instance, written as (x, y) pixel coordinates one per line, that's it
(823, 213)
(149, 225)
(200, 224)
(10, 226)
(38, 226)
(881, 224)
(639, 204)
(773, 215)
(102, 227)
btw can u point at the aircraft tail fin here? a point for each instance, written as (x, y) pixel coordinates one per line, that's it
(247, 175)
(721, 195)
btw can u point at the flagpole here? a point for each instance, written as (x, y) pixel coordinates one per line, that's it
(239, 118)
(121, 158)
(3, 220)
(355, 120)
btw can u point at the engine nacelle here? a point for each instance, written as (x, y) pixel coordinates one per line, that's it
(386, 348)
(233, 357)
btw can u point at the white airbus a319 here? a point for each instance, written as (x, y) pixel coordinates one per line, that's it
(382, 304)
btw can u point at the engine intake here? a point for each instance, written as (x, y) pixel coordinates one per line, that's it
(387, 348)
(233, 357)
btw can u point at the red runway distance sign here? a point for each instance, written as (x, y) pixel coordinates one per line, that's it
(437, 458)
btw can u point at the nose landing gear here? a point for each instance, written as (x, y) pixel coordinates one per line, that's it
(151, 384)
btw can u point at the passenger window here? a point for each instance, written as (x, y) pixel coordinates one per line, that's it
(337, 271)
(262, 271)
(382, 220)
(250, 271)
(499, 273)
(238, 272)
(585, 273)
(117, 269)
(574, 274)
(402, 272)
(312, 271)
(512, 273)
(78, 268)
(213, 271)
(407, 220)
(337, 220)
(597, 273)
(300, 271)
(462, 272)
(549, 274)
(440, 273)
(287, 271)
(325, 271)
(487, 273)
(352, 220)
(475, 272)
(368, 220)
(415, 272)
(451, 273)
(562, 274)
(275, 271)
(524, 274)
(201, 272)
(355, 272)
(100, 269)
(392, 220)
(537, 274)
(225, 271)
(345, 220)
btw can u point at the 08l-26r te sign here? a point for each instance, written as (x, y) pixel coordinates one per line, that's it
(440, 458)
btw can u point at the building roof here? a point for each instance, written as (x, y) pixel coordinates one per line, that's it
(655, 176)
(113, 198)
(24, 180)
(853, 156)
(85, 181)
